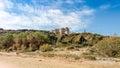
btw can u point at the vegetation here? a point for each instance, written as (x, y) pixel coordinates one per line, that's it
(89, 57)
(108, 47)
(46, 47)
(35, 40)
(24, 40)
(79, 39)
(6, 41)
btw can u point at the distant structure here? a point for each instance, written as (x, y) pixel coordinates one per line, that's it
(1, 29)
(61, 31)
(115, 34)
(56, 31)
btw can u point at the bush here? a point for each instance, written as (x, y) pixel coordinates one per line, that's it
(46, 47)
(60, 45)
(108, 47)
(70, 48)
(89, 57)
(47, 55)
(76, 57)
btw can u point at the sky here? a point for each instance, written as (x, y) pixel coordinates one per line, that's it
(96, 16)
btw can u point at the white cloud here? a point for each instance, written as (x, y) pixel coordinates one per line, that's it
(72, 1)
(34, 18)
(106, 6)
(4, 4)
(25, 8)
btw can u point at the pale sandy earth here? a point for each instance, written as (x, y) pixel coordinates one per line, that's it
(7, 65)
(41, 62)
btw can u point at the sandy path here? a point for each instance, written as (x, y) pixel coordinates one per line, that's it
(23, 62)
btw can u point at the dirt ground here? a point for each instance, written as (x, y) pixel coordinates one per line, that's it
(41, 62)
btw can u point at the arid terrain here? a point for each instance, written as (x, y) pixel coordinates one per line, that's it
(14, 61)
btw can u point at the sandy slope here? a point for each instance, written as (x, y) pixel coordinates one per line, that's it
(29, 62)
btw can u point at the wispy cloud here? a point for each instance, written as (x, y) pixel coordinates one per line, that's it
(34, 17)
(109, 6)
(106, 6)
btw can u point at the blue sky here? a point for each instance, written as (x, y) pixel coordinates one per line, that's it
(97, 16)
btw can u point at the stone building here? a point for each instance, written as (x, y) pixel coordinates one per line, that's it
(67, 31)
(61, 31)
(56, 31)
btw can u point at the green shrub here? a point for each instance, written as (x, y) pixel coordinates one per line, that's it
(108, 47)
(46, 47)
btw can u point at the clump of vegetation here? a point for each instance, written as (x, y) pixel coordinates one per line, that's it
(70, 48)
(76, 57)
(89, 57)
(46, 47)
(108, 47)
(47, 55)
